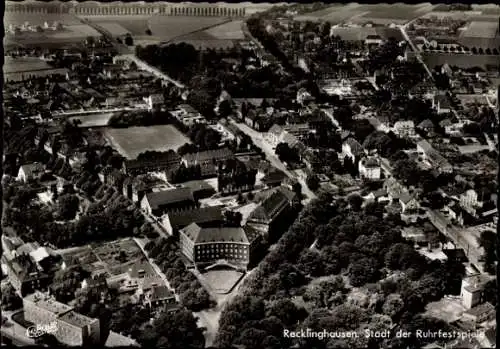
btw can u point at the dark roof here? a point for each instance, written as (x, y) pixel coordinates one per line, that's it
(160, 293)
(182, 219)
(198, 234)
(218, 154)
(141, 269)
(274, 176)
(271, 206)
(32, 169)
(97, 280)
(171, 196)
(480, 309)
(427, 123)
(444, 102)
(356, 148)
(166, 159)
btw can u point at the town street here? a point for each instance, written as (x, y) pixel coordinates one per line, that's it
(259, 141)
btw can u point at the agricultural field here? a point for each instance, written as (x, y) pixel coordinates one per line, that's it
(168, 27)
(70, 34)
(132, 141)
(386, 14)
(38, 19)
(15, 65)
(228, 31)
(136, 25)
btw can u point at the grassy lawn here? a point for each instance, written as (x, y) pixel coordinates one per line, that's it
(132, 141)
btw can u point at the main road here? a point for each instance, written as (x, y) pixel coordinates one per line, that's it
(260, 142)
(415, 49)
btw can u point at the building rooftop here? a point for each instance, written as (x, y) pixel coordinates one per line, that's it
(205, 235)
(271, 206)
(480, 309)
(48, 303)
(167, 197)
(356, 148)
(141, 269)
(159, 293)
(76, 319)
(198, 215)
(215, 155)
(32, 169)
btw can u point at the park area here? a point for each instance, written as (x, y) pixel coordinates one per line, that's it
(167, 28)
(132, 141)
(227, 31)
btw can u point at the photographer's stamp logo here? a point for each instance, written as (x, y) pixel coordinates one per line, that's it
(39, 330)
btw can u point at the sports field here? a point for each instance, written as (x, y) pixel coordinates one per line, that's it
(132, 141)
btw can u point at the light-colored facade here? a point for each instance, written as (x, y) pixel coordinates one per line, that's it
(369, 168)
(71, 328)
(404, 128)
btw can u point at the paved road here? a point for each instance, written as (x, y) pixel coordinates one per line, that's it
(144, 66)
(402, 28)
(155, 267)
(259, 141)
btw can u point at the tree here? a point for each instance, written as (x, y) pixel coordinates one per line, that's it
(355, 201)
(363, 271)
(148, 32)
(68, 206)
(311, 263)
(129, 41)
(233, 218)
(286, 311)
(10, 299)
(312, 182)
(393, 306)
(487, 240)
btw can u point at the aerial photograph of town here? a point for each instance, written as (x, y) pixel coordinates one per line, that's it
(250, 175)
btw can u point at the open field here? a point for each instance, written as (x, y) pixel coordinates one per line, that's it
(379, 14)
(70, 34)
(93, 120)
(132, 141)
(167, 27)
(38, 19)
(14, 65)
(136, 25)
(229, 31)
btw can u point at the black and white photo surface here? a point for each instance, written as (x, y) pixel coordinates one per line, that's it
(250, 175)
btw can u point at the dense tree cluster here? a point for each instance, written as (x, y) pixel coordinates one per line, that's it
(286, 153)
(109, 218)
(139, 118)
(192, 294)
(367, 250)
(10, 299)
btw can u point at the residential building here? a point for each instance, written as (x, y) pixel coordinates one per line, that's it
(25, 275)
(374, 40)
(165, 162)
(72, 328)
(30, 172)
(208, 246)
(95, 282)
(158, 297)
(369, 168)
(472, 290)
(172, 222)
(208, 160)
(427, 126)
(171, 200)
(480, 313)
(352, 149)
(404, 128)
(426, 151)
(188, 116)
(154, 101)
(441, 103)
